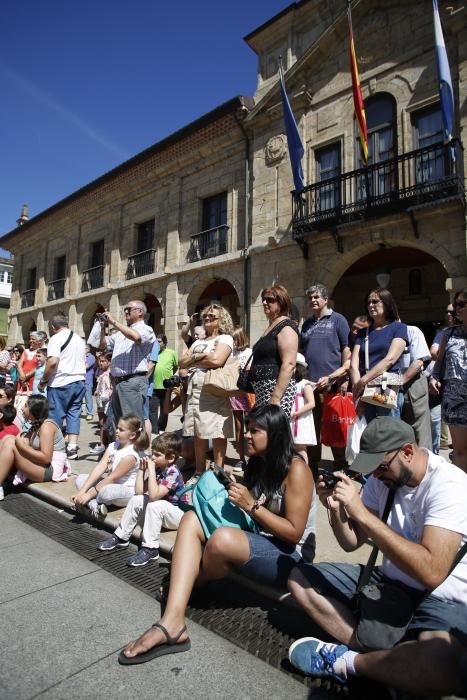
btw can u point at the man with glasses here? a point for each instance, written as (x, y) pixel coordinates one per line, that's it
(426, 526)
(130, 346)
(324, 340)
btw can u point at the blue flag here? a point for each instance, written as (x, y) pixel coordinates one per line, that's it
(294, 141)
(446, 95)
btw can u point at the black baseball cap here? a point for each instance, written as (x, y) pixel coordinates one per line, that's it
(382, 435)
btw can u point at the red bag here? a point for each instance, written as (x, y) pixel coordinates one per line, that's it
(338, 415)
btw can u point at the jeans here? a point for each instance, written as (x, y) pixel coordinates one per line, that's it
(156, 514)
(435, 415)
(65, 403)
(88, 400)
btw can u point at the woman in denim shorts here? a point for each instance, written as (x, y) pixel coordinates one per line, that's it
(278, 494)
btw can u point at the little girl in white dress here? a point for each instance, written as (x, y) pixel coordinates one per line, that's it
(301, 418)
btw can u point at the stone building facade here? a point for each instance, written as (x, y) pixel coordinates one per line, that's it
(208, 213)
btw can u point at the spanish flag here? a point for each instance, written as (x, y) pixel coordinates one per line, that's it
(357, 92)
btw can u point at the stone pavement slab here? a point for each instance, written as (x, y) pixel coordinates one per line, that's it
(65, 620)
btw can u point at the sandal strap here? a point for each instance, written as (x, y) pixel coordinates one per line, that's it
(170, 640)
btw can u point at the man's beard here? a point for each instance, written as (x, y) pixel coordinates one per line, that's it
(402, 480)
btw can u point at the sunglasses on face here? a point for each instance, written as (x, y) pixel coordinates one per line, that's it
(128, 309)
(384, 466)
(210, 317)
(269, 300)
(460, 304)
(373, 302)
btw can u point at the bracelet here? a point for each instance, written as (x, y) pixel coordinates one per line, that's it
(256, 505)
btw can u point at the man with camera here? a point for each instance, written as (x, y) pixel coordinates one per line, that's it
(167, 364)
(130, 346)
(403, 623)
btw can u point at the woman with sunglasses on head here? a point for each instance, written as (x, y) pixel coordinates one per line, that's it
(207, 416)
(384, 340)
(450, 375)
(275, 353)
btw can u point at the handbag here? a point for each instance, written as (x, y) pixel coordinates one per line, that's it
(385, 610)
(213, 508)
(379, 391)
(338, 416)
(222, 381)
(243, 383)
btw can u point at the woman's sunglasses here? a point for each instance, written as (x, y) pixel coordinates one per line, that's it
(460, 304)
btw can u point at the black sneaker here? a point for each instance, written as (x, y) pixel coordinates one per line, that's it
(112, 543)
(143, 556)
(72, 452)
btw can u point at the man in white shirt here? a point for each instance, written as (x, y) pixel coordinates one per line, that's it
(64, 376)
(416, 408)
(426, 527)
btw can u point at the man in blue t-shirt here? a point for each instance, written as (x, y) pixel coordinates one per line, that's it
(324, 341)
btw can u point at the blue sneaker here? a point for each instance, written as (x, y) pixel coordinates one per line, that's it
(112, 543)
(316, 658)
(143, 556)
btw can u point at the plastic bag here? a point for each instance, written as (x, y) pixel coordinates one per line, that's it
(338, 416)
(353, 438)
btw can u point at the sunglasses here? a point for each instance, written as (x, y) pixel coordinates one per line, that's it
(210, 317)
(449, 312)
(373, 302)
(460, 304)
(127, 309)
(384, 466)
(269, 300)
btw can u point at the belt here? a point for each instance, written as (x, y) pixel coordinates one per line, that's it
(117, 380)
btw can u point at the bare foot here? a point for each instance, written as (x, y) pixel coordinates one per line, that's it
(151, 638)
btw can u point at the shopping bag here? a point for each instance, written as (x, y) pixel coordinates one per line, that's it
(338, 416)
(353, 438)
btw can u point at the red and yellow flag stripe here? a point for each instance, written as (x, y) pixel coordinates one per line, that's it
(359, 106)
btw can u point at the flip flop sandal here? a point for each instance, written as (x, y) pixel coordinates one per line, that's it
(169, 647)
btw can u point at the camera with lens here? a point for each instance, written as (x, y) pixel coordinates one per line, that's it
(101, 318)
(173, 382)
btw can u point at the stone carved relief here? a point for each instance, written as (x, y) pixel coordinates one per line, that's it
(275, 149)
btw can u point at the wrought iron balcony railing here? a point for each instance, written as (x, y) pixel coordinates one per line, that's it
(141, 264)
(28, 298)
(429, 174)
(208, 244)
(56, 290)
(93, 278)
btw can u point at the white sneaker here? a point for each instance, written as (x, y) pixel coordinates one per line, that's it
(97, 450)
(2, 494)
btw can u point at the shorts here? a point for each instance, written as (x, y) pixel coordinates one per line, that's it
(340, 581)
(271, 560)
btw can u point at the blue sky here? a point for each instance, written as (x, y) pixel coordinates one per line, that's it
(86, 85)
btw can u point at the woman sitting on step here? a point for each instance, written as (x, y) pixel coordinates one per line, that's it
(278, 495)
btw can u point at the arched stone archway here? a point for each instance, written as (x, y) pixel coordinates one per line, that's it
(89, 316)
(154, 314)
(219, 289)
(416, 279)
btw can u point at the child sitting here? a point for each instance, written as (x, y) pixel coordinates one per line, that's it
(7, 417)
(156, 501)
(301, 418)
(103, 396)
(112, 481)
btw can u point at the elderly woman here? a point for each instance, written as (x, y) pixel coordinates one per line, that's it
(450, 374)
(27, 363)
(383, 342)
(275, 353)
(207, 416)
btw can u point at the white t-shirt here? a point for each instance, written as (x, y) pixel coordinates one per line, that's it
(440, 501)
(416, 349)
(72, 361)
(209, 345)
(115, 457)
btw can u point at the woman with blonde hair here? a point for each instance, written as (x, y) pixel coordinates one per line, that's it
(208, 417)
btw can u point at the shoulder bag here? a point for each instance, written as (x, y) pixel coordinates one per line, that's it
(243, 383)
(385, 610)
(379, 391)
(222, 381)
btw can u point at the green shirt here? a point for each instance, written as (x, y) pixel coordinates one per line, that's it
(167, 363)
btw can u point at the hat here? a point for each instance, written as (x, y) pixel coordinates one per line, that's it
(382, 435)
(301, 360)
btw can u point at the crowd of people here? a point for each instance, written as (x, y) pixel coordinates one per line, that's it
(399, 395)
